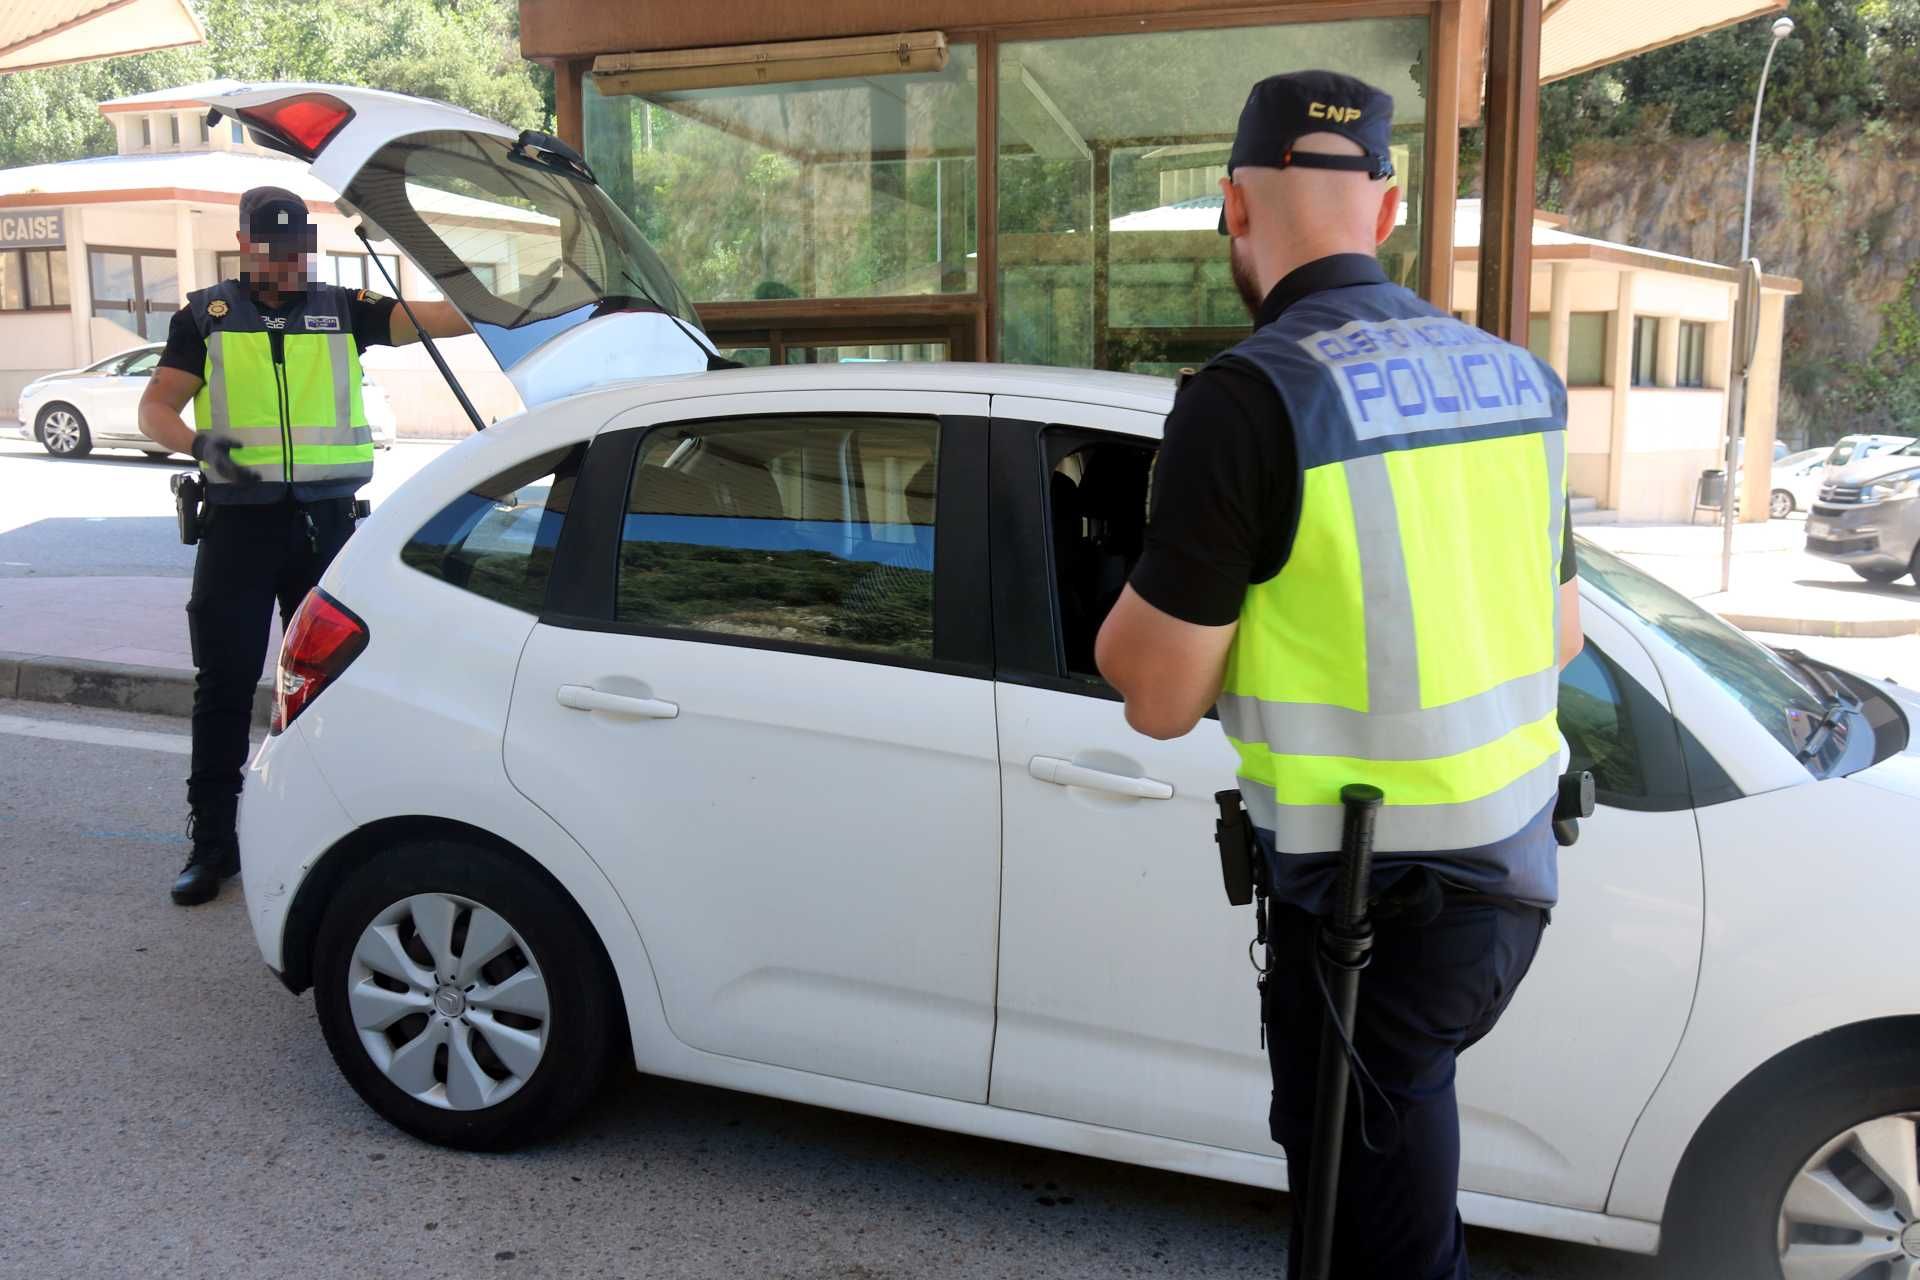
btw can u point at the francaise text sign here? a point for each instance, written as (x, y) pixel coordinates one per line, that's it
(1432, 374)
(45, 229)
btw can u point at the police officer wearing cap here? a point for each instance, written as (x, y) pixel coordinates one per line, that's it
(1359, 553)
(271, 364)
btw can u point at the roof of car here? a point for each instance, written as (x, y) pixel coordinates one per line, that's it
(1119, 390)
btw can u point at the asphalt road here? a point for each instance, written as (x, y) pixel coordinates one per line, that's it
(171, 1110)
(111, 514)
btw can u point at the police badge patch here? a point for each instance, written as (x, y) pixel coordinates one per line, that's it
(324, 322)
(217, 308)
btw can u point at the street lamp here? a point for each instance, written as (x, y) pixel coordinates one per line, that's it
(1737, 391)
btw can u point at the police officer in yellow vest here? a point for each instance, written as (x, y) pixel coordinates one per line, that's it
(271, 364)
(1358, 552)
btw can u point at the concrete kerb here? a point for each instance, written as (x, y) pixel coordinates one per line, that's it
(115, 686)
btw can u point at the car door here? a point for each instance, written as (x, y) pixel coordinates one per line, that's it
(1126, 994)
(116, 397)
(766, 712)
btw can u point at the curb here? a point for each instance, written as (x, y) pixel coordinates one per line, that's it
(114, 686)
(1837, 628)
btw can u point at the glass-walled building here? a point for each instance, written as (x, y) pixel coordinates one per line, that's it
(1047, 199)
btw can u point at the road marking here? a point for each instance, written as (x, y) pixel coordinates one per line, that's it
(99, 735)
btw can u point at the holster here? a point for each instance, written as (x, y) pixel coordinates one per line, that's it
(189, 503)
(1242, 867)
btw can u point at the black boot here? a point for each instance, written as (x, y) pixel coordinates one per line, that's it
(215, 857)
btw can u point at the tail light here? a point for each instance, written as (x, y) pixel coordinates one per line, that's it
(302, 124)
(322, 640)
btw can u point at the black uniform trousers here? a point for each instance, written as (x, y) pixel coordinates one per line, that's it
(1431, 991)
(250, 557)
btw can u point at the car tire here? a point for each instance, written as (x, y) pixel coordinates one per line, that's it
(1781, 504)
(511, 1057)
(1880, 577)
(1813, 1147)
(62, 431)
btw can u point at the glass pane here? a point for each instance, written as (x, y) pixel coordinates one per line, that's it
(160, 280)
(142, 364)
(13, 294)
(1587, 349)
(57, 277)
(1599, 733)
(799, 531)
(237, 133)
(832, 188)
(498, 540)
(112, 276)
(525, 251)
(227, 266)
(751, 357)
(39, 286)
(1539, 338)
(875, 353)
(1761, 681)
(1111, 151)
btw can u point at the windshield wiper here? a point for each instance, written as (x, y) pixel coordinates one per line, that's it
(1839, 704)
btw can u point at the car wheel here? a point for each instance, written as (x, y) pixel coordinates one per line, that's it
(1825, 1182)
(462, 995)
(1781, 505)
(1881, 576)
(63, 431)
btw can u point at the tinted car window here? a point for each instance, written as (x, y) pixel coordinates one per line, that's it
(498, 539)
(804, 531)
(1594, 720)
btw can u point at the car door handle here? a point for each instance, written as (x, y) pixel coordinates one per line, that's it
(584, 697)
(1065, 773)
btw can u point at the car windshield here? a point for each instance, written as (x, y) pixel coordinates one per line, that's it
(1786, 704)
(1842, 452)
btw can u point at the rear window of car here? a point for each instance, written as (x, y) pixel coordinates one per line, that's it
(498, 539)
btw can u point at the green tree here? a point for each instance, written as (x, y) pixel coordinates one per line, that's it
(466, 52)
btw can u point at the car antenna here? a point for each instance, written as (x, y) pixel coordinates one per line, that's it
(426, 339)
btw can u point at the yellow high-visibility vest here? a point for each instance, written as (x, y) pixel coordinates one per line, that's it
(298, 421)
(1411, 639)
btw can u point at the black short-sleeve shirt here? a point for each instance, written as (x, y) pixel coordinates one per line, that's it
(370, 315)
(1226, 485)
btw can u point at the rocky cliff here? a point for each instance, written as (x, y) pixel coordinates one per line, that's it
(1839, 213)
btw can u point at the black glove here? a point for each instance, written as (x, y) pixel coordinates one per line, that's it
(217, 453)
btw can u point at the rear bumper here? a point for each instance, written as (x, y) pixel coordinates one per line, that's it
(1877, 535)
(289, 818)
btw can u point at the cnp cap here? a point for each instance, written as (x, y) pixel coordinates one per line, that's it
(1283, 109)
(275, 214)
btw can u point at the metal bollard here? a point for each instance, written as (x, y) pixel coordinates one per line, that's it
(1346, 944)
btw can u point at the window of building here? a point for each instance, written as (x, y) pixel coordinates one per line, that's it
(136, 289)
(1587, 349)
(236, 132)
(1538, 332)
(173, 124)
(355, 271)
(1646, 350)
(1693, 354)
(803, 531)
(499, 539)
(825, 189)
(1109, 254)
(204, 135)
(146, 132)
(33, 279)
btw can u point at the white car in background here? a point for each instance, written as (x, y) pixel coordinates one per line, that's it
(74, 412)
(743, 723)
(1796, 481)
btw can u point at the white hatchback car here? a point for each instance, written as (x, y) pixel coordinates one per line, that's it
(744, 722)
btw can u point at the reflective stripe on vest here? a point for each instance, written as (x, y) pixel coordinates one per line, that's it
(311, 402)
(1411, 640)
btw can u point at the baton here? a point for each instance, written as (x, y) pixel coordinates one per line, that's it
(1345, 945)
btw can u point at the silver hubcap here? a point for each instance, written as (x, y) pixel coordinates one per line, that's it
(448, 1001)
(1853, 1210)
(61, 431)
(1782, 506)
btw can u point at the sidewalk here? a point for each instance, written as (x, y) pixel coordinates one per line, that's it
(1776, 586)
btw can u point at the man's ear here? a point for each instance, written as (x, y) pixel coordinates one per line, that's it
(1235, 207)
(1389, 213)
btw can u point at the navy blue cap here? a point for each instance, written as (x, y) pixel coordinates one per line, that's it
(1285, 108)
(275, 214)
